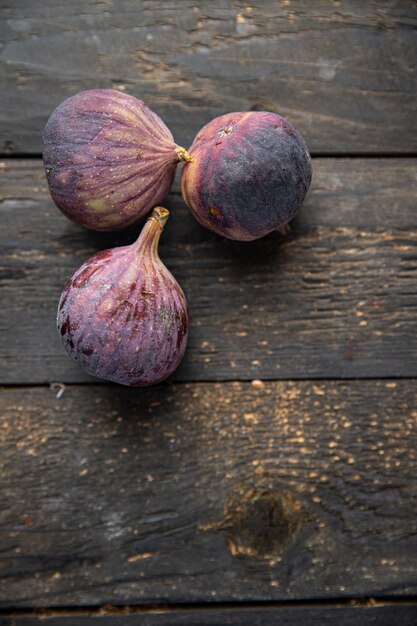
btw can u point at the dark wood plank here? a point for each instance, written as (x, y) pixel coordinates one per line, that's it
(207, 492)
(336, 298)
(343, 73)
(406, 615)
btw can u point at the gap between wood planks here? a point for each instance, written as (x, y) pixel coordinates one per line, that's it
(101, 382)
(129, 609)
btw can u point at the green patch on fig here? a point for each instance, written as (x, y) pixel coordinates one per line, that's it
(108, 159)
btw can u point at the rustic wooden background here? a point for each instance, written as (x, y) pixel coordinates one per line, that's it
(272, 480)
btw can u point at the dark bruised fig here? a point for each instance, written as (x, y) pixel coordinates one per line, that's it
(248, 175)
(108, 159)
(122, 315)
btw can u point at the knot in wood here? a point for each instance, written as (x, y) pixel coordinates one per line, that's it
(263, 524)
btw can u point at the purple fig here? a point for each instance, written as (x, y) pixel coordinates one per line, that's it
(122, 315)
(248, 175)
(108, 159)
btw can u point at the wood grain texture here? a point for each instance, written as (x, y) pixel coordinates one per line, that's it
(343, 73)
(406, 615)
(335, 298)
(207, 493)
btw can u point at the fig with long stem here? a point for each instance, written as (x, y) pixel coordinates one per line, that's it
(122, 315)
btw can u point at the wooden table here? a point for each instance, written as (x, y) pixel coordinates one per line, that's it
(272, 480)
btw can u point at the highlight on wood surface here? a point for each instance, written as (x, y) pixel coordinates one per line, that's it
(289, 487)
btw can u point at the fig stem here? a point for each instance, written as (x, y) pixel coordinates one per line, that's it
(160, 214)
(148, 239)
(285, 229)
(182, 154)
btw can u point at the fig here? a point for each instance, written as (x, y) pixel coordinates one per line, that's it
(108, 158)
(248, 175)
(122, 315)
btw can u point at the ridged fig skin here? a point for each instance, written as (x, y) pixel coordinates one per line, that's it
(108, 159)
(248, 176)
(122, 315)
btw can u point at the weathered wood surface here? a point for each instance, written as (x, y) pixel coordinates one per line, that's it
(207, 492)
(388, 615)
(344, 73)
(336, 298)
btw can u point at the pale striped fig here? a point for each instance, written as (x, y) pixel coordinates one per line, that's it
(122, 315)
(108, 159)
